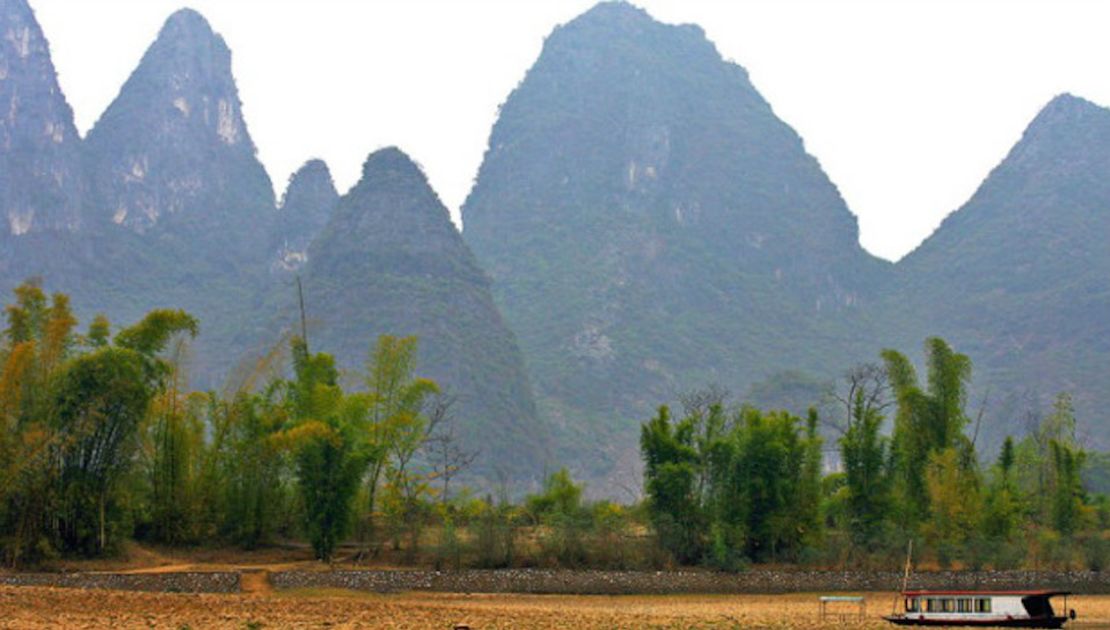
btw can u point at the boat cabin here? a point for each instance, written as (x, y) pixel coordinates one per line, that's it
(1007, 609)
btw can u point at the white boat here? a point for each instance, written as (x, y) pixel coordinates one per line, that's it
(1005, 609)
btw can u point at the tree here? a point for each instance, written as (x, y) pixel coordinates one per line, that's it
(1048, 450)
(250, 449)
(768, 468)
(329, 470)
(446, 455)
(1002, 506)
(99, 401)
(928, 420)
(173, 444)
(559, 508)
(396, 426)
(864, 453)
(671, 472)
(953, 500)
(38, 340)
(1068, 496)
(330, 463)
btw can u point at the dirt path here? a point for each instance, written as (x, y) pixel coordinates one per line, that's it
(255, 582)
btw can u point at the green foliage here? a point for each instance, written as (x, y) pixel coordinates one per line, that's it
(864, 452)
(100, 400)
(328, 461)
(671, 466)
(560, 496)
(396, 427)
(559, 510)
(1068, 495)
(150, 336)
(726, 488)
(928, 420)
(100, 441)
(495, 538)
(1002, 503)
(99, 332)
(252, 465)
(328, 474)
(71, 423)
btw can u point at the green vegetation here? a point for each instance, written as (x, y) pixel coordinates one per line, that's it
(726, 488)
(645, 221)
(101, 442)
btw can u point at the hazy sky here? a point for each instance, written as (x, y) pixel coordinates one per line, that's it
(907, 104)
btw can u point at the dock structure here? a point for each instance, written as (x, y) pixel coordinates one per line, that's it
(839, 603)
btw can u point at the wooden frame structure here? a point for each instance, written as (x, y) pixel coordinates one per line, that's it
(860, 602)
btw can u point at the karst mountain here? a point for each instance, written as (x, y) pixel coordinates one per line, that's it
(642, 224)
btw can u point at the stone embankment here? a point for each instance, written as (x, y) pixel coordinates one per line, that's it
(547, 581)
(677, 582)
(171, 582)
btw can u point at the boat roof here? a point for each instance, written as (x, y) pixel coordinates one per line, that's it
(1028, 593)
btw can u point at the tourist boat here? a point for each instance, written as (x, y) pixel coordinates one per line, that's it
(1004, 609)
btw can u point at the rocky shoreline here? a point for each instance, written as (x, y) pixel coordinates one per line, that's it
(171, 582)
(568, 582)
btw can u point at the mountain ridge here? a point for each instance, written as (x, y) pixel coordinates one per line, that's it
(644, 222)
(41, 184)
(645, 216)
(390, 261)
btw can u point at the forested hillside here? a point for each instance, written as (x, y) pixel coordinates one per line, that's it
(650, 225)
(177, 211)
(1020, 275)
(642, 225)
(390, 262)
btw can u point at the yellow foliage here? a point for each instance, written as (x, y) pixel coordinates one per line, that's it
(304, 432)
(14, 375)
(953, 498)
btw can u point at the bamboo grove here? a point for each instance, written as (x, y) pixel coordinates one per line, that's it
(727, 487)
(102, 443)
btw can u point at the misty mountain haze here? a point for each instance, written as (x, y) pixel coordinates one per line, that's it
(642, 223)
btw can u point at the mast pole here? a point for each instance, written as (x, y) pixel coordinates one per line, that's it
(905, 577)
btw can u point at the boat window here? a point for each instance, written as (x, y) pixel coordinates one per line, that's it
(932, 605)
(963, 605)
(949, 605)
(912, 604)
(983, 605)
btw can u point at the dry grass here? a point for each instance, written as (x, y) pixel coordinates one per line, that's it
(26, 607)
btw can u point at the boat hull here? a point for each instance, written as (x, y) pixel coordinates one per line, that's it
(1043, 622)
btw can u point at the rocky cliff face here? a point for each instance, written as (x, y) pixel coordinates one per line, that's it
(172, 155)
(305, 209)
(41, 186)
(650, 225)
(177, 208)
(391, 262)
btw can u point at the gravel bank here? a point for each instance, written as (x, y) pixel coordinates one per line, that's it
(198, 582)
(680, 582)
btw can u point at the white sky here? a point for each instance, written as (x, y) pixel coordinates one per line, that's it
(907, 104)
